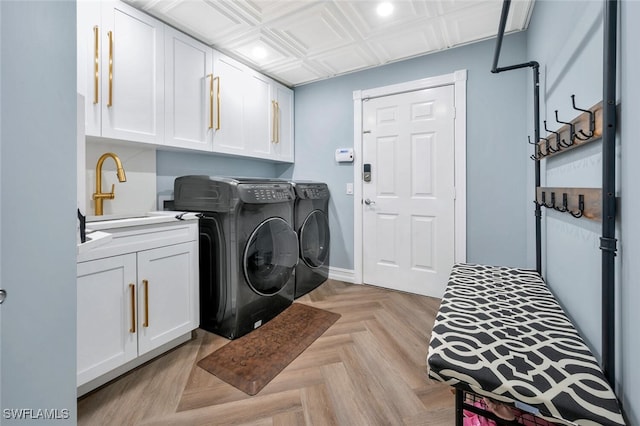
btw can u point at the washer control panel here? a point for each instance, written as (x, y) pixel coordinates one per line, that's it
(262, 193)
(312, 191)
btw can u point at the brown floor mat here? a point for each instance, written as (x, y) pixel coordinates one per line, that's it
(253, 360)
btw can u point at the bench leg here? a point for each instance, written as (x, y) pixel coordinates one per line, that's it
(459, 407)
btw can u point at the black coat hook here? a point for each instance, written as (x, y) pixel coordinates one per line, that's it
(538, 154)
(565, 203)
(572, 131)
(559, 145)
(580, 211)
(553, 200)
(592, 121)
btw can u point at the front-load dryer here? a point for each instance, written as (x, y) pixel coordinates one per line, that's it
(248, 249)
(311, 214)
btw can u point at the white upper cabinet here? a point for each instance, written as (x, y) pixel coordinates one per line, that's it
(189, 92)
(144, 81)
(282, 123)
(258, 114)
(230, 93)
(254, 114)
(121, 57)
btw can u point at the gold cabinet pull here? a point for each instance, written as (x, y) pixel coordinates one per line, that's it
(96, 63)
(132, 288)
(273, 121)
(210, 101)
(218, 123)
(275, 131)
(110, 102)
(277, 122)
(145, 283)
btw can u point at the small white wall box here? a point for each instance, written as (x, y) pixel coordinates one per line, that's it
(344, 155)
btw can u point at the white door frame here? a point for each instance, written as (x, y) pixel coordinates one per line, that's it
(459, 80)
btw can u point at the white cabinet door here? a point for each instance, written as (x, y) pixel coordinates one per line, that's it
(106, 330)
(282, 124)
(230, 89)
(258, 115)
(133, 74)
(189, 92)
(167, 307)
(130, 73)
(89, 65)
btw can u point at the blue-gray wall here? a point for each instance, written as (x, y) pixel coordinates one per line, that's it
(496, 146)
(171, 164)
(571, 261)
(38, 209)
(572, 258)
(629, 337)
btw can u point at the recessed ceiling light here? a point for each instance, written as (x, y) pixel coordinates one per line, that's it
(259, 52)
(385, 9)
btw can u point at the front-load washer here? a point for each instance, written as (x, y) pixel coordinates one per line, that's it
(311, 214)
(248, 249)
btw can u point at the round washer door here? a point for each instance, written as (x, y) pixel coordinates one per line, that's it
(270, 256)
(314, 239)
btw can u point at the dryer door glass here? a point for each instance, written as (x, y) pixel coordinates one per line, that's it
(270, 256)
(314, 239)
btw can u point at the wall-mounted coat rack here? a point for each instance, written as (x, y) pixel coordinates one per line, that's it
(584, 128)
(578, 202)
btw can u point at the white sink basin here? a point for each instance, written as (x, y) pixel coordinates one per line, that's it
(98, 223)
(106, 217)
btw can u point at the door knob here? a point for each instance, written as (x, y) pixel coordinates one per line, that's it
(369, 202)
(3, 295)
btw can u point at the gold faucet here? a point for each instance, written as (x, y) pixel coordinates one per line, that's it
(100, 196)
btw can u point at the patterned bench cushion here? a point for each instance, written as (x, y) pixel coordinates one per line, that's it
(501, 333)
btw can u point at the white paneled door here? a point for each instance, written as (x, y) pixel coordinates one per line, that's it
(408, 211)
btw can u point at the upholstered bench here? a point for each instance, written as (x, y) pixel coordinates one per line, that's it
(501, 334)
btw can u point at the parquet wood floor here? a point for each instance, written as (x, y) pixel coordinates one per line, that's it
(369, 368)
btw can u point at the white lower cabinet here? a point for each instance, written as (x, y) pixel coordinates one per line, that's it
(134, 303)
(106, 337)
(165, 294)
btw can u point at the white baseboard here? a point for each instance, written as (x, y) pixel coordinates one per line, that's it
(340, 274)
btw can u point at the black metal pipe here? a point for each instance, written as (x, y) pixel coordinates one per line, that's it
(501, 27)
(536, 118)
(536, 128)
(608, 239)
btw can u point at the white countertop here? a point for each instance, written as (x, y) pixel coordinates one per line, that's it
(96, 225)
(94, 239)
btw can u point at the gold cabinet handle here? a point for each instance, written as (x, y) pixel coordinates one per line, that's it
(132, 288)
(277, 122)
(96, 63)
(110, 102)
(210, 101)
(219, 122)
(273, 121)
(145, 283)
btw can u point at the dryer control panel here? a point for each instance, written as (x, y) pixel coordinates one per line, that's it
(312, 191)
(258, 193)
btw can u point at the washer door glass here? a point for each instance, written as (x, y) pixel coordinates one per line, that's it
(314, 239)
(270, 256)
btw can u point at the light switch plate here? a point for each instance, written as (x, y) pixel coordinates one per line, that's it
(350, 188)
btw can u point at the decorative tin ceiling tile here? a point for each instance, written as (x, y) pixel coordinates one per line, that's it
(300, 41)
